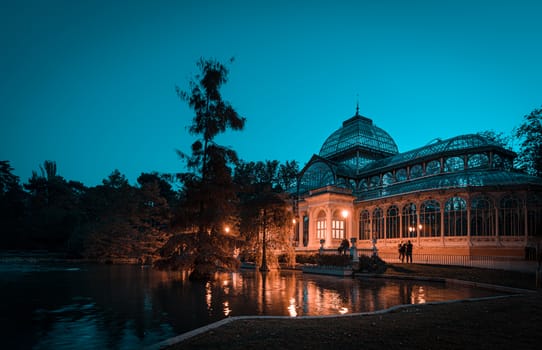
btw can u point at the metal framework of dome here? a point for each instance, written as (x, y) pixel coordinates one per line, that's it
(374, 168)
(468, 178)
(358, 134)
(456, 145)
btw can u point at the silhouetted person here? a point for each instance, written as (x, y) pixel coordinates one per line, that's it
(402, 250)
(409, 252)
(343, 248)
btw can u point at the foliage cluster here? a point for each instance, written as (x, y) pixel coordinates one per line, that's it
(529, 135)
(334, 260)
(307, 258)
(371, 264)
(107, 222)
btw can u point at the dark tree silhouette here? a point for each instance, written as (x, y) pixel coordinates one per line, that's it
(530, 135)
(12, 208)
(127, 223)
(210, 189)
(54, 209)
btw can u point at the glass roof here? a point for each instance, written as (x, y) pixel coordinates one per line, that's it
(470, 178)
(458, 143)
(357, 133)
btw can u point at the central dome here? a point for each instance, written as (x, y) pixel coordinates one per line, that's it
(357, 142)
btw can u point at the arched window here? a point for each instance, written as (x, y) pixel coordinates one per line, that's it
(401, 175)
(454, 164)
(305, 230)
(430, 219)
(296, 233)
(482, 213)
(416, 171)
(478, 161)
(378, 223)
(342, 182)
(410, 220)
(497, 163)
(352, 184)
(455, 217)
(392, 222)
(364, 225)
(375, 181)
(321, 225)
(433, 167)
(388, 179)
(534, 215)
(317, 175)
(338, 226)
(507, 164)
(510, 217)
(362, 186)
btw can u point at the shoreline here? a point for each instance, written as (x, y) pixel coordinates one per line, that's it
(457, 317)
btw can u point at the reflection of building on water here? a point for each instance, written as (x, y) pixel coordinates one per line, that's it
(292, 308)
(293, 294)
(226, 308)
(421, 295)
(209, 296)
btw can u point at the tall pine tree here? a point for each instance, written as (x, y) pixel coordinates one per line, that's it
(209, 189)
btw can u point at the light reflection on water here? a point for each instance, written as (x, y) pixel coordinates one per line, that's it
(127, 307)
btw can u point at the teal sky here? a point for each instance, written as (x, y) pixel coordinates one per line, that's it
(91, 84)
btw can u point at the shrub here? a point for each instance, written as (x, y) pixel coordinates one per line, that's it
(334, 260)
(372, 264)
(306, 258)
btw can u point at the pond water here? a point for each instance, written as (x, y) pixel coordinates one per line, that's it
(67, 306)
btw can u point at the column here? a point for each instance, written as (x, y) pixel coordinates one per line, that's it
(328, 227)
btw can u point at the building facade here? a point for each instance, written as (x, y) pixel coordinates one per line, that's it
(454, 197)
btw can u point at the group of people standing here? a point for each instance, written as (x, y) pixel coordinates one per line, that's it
(405, 251)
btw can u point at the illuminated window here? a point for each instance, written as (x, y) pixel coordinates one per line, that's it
(321, 226)
(511, 217)
(392, 222)
(455, 217)
(364, 225)
(430, 219)
(378, 223)
(482, 214)
(410, 220)
(337, 229)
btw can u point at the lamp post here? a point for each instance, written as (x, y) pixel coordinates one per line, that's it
(264, 267)
(294, 238)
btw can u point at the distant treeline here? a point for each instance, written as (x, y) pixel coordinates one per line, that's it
(114, 220)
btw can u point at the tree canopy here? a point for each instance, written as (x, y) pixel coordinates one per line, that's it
(529, 134)
(210, 188)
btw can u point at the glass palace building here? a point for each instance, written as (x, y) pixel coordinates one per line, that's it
(458, 196)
